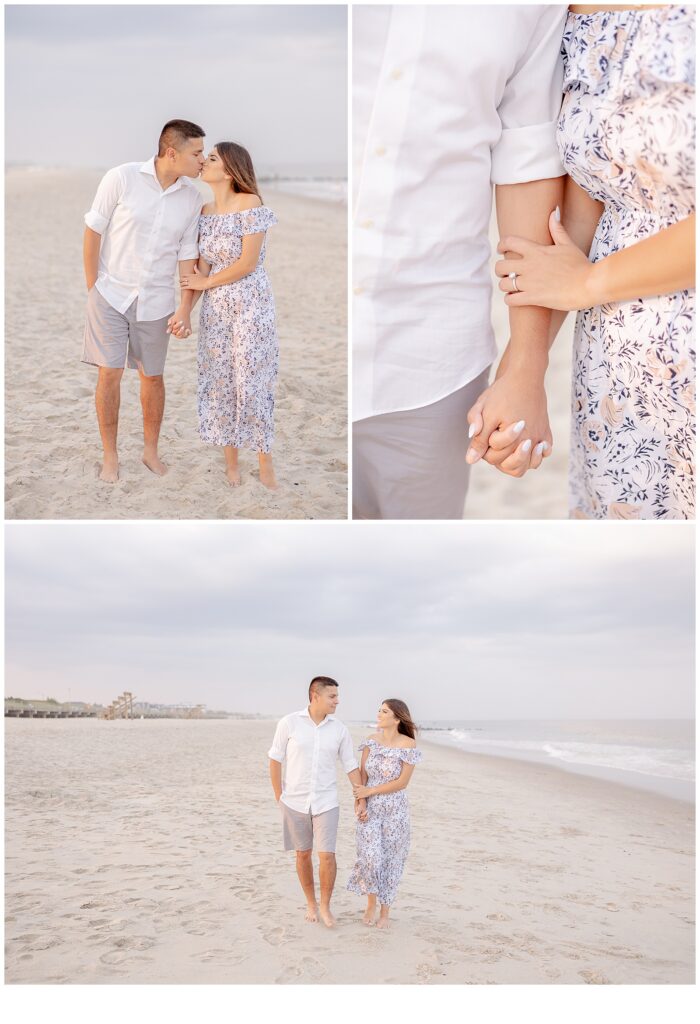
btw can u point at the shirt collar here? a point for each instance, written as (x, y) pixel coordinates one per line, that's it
(305, 713)
(149, 167)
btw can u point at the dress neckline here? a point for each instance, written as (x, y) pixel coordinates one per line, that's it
(385, 746)
(236, 213)
(666, 8)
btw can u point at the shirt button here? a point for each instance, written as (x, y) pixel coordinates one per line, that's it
(380, 151)
(366, 223)
(396, 73)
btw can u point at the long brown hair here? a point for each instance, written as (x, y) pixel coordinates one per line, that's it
(406, 724)
(237, 163)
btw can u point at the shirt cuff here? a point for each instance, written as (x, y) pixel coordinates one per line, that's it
(526, 154)
(95, 221)
(275, 755)
(188, 253)
(350, 766)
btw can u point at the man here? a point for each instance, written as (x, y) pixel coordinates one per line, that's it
(308, 743)
(141, 229)
(447, 102)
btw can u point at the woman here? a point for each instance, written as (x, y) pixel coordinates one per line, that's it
(238, 352)
(626, 135)
(383, 829)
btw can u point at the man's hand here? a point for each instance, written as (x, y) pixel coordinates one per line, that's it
(179, 323)
(509, 424)
(361, 792)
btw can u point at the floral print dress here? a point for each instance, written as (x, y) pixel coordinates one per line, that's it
(237, 354)
(626, 136)
(383, 840)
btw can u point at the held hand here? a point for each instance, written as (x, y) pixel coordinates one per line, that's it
(361, 810)
(555, 276)
(509, 425)
(196, 281)
(179, 324)
(361, 792)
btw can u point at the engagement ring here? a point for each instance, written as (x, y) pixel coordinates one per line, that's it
(513, 278)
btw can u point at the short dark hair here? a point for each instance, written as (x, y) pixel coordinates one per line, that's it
(175, 133)
(319, 683)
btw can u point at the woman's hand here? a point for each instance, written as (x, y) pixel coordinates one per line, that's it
(509, 424)
(555, 276)
(361, 792)
(197, 282)
(179, 324)
(361, 810)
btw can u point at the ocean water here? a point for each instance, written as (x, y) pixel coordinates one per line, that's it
(334, 190)
(653, 755)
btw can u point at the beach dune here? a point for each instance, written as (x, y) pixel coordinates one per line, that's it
(52, 442)
(150, 851)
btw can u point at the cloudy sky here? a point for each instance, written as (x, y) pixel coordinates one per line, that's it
(551, 620)
(91, 86)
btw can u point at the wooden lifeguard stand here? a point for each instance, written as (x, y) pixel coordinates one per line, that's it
(122, 707)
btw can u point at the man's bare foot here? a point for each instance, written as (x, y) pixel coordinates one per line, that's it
(109, 473)
(311, 913)
(383, 922)
(152, 462)
(233, 475)
(267, 474)
(368, 918)
(327, 917)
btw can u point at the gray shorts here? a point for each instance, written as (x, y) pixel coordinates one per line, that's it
(305, 831)
(119, 340)
(411, 465)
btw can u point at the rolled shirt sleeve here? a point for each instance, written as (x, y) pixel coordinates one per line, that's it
(109, 192)
(189, 243)
(346, 753)
(527, 149)
(278, 750)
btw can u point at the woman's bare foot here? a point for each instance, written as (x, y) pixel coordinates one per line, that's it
(233, 475)
(311, 913)
(267, 472)
(368, 917)
(383, 921)
(327, 917)
(109, 474)
(152, 462)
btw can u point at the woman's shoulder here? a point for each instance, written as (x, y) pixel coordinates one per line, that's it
(373, 737)
(208, 209)
(247, 201)
(407, 743)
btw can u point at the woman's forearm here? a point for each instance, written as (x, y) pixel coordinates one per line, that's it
(387, 787)
(241, 268)
(660, 265)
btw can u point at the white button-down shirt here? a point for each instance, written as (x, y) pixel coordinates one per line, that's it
(309, 753)
(446, 101)
(145, 231)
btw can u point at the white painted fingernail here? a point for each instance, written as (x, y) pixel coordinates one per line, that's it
(557, 213)
(545, 446)
(527, 445)
(472, 430)
(540, 448)
(472, 456)
(517, 427)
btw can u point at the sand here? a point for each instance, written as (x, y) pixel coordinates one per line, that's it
(150, 851)
(52, 442)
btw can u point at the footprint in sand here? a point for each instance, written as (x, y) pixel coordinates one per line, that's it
(498, 917)
(594, 978)
(221, 957)
(308, 969)
(118, 958)
(275, 936)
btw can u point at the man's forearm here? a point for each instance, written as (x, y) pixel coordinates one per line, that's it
(524, 210)
(355, 778)
(276, 778)
(91, 256)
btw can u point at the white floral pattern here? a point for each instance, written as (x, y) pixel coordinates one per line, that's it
(383, 840)
(626, 135)
(238, 353)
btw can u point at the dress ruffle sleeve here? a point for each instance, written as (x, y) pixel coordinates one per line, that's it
(258, 219)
